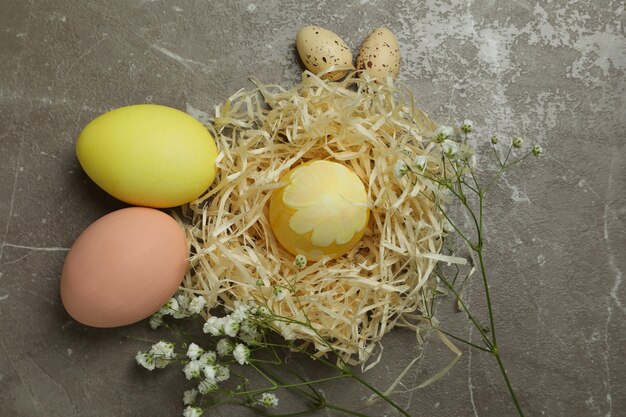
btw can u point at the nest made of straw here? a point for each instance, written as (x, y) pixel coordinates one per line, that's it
(262, 133)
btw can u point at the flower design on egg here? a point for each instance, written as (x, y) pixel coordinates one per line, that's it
(322, 211)
(330, 202)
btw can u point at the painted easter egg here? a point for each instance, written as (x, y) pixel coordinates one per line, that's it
(124, 267)
(148, 155)
(321, 211)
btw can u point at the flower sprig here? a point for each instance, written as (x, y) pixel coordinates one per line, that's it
(231, 346)
(234, 336)
(457, 175)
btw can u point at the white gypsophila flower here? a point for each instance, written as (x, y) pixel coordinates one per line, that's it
(279, 294)
(250, 339)
(189, 396)
(249, 333)
(156, 320)
(207, 386)
(268, 400)
(193, 369)
(208, 357)
(248, 327)
(300, 261)
(163, 349)
(241, 353)
(262, 311)
(231, 326)
(214, 326)
(537, 150)
(180, 314)
(450, 148)
(146, 360)
(241, 312)
(183, 299)
(224, 347)
(494, 140)
(517, 143)
(194, 351)
(161, 363)
(420, 162)
(443, 132)
(170, 307)
(467, 126)
(193, 412)
(163, 353)
(223, 373)
(183, 303)
(197, 304)
(209, 372)
(400, 169)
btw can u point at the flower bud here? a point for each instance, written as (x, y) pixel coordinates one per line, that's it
(467, 126)
(420, 163)
(442, 133)
(300, 261)
(450, 149)
(400, 169)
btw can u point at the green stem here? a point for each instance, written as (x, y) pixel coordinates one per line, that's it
(493, 148)
(496, 353)
(275, 386)
(459, 183)
(266, 414)
(477, 223)
(469, 314)
(477, 185)
(503, 168)
(344, 410)
(454, 226)
(494, 349)
(481, 201)
(467, 342)
(379, 394)
(474, 190)
(508, 154)
(456, 274)
(483, 272)
(314, 395)
(517, 161)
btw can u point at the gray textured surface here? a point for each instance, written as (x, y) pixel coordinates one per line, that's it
(550, 71)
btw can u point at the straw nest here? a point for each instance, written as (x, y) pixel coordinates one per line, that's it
(351, 301)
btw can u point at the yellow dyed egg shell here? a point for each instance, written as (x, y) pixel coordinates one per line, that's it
(321, 211)
(148, 155)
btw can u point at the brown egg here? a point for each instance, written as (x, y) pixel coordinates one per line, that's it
(124, 267)
(379, 54)
(320, 49)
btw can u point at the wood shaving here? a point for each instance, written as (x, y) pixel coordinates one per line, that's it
(351, 301)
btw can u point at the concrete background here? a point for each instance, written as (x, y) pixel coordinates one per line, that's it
(551, 72)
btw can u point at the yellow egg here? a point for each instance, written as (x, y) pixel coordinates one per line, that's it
(321, 211)
(148, 155)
